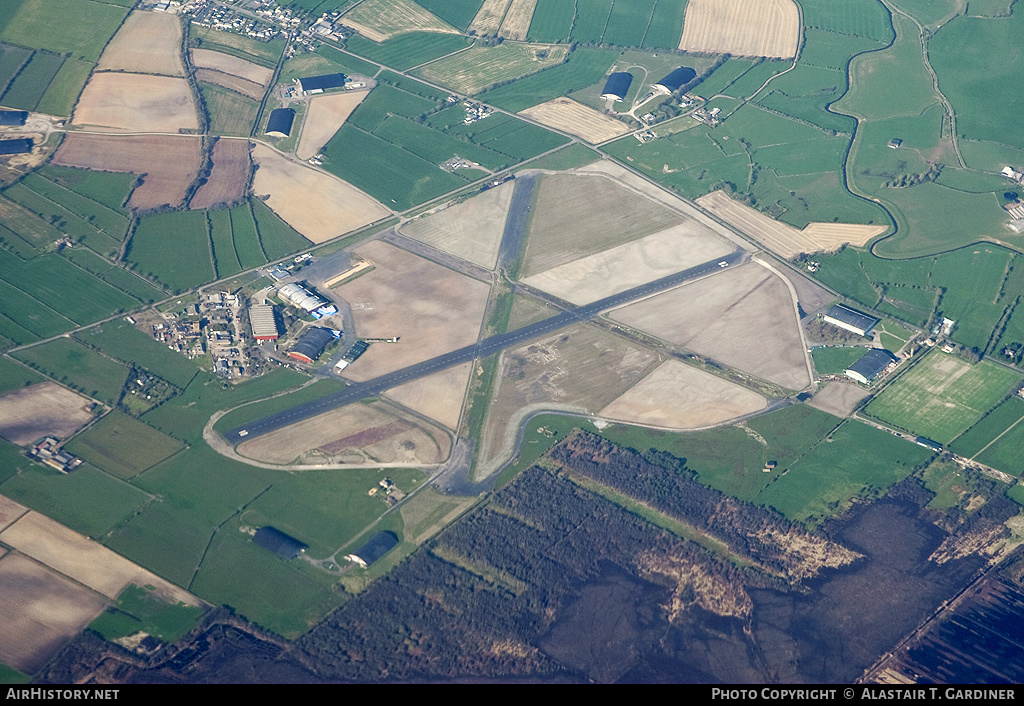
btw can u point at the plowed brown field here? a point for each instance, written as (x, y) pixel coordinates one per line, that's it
(742, 27)
(136, 103)
(147, 43)
(228, 177)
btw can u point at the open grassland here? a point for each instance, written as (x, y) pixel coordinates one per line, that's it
(744, 27)
(12, 59)
(438, 396)
(14, 376)
(140, 609)
(230, 113)
(228, 177)
(471, 229)
(119, 339)
(278, 403)
(942, 396)
(173, 248)
(251, 50)
(1004, 451)
(136, 103)
(41, 409)
(28, 87)
(433, 309)
(277, 238)
(143, 539)
(225, 255)
(77, 366)
(106, 189)
(324, 117)
(429, 511)
(569, 116)
(230, 64)
(169, 163)
(833, 360)
(995, 424)
(141, 289)
(83, 30)
(24, 231)
(583, 68)
(318, 206)
(458, 13)
(679, 396)
(123, 446)
(407, 50)
(570, 157)
(51, 184)
(861, 18)
(325, 60)
(856, 459)
(63, 90)
(380, 20)
(147, 43)
(477, 68)
(24, 319)
(517, 20)
(744, 318)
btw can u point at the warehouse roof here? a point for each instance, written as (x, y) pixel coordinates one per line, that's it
(322, 83)
(848, 316)
(379, 545)
(301, 297)
(676, 79)
(311, 345)
(19, 146)
(870, 365)
(617, 85)
(263, 322)
(278, 542)
(280, 122)
(13, 117)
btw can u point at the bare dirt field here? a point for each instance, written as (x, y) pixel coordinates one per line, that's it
(433, 309)
(839, 398)
(579, 215)
(225, 63)
(324, 117)
(782, 238)
(233, 83)
(811, 295)
(147, 43)
(42, 610)
(577, 119)
(228, 176)
(517, 20)
(136, 103)
(471, 230)
(45, 409)
(679, 396)
(354, 434)
(314, 203)
(170, 163)
(581, 369)
(742, 27)
(382, 19)
(631, 264)
(488, 17)
(10, 511)
(438, 396)
(744, 317)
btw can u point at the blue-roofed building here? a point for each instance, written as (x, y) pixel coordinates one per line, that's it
(676, 80)
(870, 365)
(274, 540)
(280, 122)
(379, 545)
(617, 86)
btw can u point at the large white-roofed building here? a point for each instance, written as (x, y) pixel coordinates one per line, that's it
(303, 298)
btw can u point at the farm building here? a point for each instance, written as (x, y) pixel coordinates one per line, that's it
(263, 322)
(311, 345)
(280, 122)
(379, 545)
(319, 84)
(13, 117)
(22, 145)
(276, 541)
(675, 80)
(617, 86)
(301, 297)
(846, 318)
(928, 443)
(870, 365)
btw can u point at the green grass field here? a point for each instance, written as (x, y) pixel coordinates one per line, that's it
(111, 221)
(263, 408)
(107, 189)
(457, 13)
(277, 238)
(173, 249)
(63, 91)
(942, 396)
(862, 18)
(477, 68)
(246, 238)
(833, 360)
(325, 60)
(11, 60)
(997, 422)
(119, 339)
(79, 367)
(83, 30)
(28, 319)
(28, 87)
(264, 53)
(14, 376)
(137, 610)
(144, 540)
(224, 255)
(230, 113)
(571, 157)
(583, 68)
(407, 50)
(123, 446)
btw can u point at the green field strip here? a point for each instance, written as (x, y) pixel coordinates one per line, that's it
(15, 376)
(277, 238)
(32, 314)
(100, 216)
(123, 446)
(121, 340)
(246, 239)
(109, 189)
(407, 50)
(263, 53)
(230, 113)
(384, 100)
(79, 367)
(628, 22)
(84, 27)
(28, 87)
(591, 20)
(133, 285)
(583, 68)
(26, 224)
(666, 25)
(12, 59)
(144, 540)
(14, 243)
(435, 146)
(167, 247)
(69, 223)
(15, 332)
(64, 89)
(552, 21)
(224, 255)
(1004, 453)
(457, 13)
(863, 18)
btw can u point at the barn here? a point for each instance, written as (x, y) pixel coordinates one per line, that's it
(870, 365)
(319, 84)
(13, 117)
(280, 122)
(850, 320)
(263, 322)
(379, 545)
(675, 80)
(617, 86)
(312, 344)
(276, 541)
(22, 145)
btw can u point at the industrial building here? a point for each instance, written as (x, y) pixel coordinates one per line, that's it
(276, 541)
(312, 344)
(319, 84)
(675, 80)
(299, 296)
(280, 122)
(850, 320)
(22, 145)
(617, 86)
(379, 545)
(871, 365)
(263, 322)
(13, 117)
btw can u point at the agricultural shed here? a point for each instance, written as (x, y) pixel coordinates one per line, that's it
(274, 540)
(18, 146)
(675, 80)
(379, 545)
(870, 365)
(846, 318)
(311, 345)
(928, 443)
(13, 117)
(263, 322)
(617, 85)
(280, 122)
(319, 84)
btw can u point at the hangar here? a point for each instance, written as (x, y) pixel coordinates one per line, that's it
(274, 540)
(301, 297)
(379, 545)
(617, 86)
(13, 117)
(870, 365)
(280, 122)
(263, 322)
(319, 84)
(849, 319)
(675, 80)
(312, 344)
(22, 145)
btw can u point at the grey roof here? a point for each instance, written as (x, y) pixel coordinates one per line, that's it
(13, 117)
(618, 84)
(281, 121)
(872, 363)
(278, 542)
(379, 545)
(19, 146)
(314, 83)
(679, 77)
(313, 342)
(851, 317)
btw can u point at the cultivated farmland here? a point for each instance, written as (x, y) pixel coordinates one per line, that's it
(40, 410)
(228, 176)
(232, 83)
(173, 248)
(83, 29)
(382, 19)
(517, 20)
(136, 103)
(147, 43)
(743, 27)
(324, 117)
(569, 116)
(477, 68)
(228, 64)
(317, 205)
(839, 398)
(488, 17)
(438, 396)
(123, 446)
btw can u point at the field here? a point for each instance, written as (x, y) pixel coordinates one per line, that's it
(324, 117)
(119, 339)
(839, 398)
(316, 205)
(166, 181)
(472, 229)
(992, 426)
(228, 64)
(233, 83)
(40, 410)
(770, 28)
(147, 43)
(325, 60)
(252, 50)
(51, 184)
(407, 50)
(142, 610)
(569, 116)
(30, 84)
(678, 396)
(744, 318)
(230, 112)
(356, 434)
(123, 446)
(84, 27)
(517, 20)
(438, 396)
(833, 360)
(173, 249)
(228, 176)
(14, 376)
(136, 103)
(942, 396)
(380, 20)
(584, 67)
(488, 18)
(78, 367)
(478, 68)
